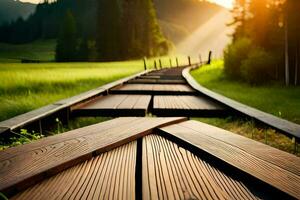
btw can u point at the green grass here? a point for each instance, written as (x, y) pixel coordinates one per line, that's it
(43, 50)
(274, 98)
(253, 131)
(24, 87)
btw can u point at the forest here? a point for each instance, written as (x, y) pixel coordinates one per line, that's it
(265, 42)
(154, 18)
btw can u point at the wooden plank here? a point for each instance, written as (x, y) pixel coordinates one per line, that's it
(154, 81)
(24, 165)
(107, 176)
(162, 89)
(186, 103)
(186, 106)
(24, 119)
(287, 127)
(171, 172)
(242, 157)
(114, 105)
(95, 92)
(277, 157)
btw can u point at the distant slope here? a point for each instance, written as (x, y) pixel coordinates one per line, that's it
(42, 50)
(180, 18)
(10, 10)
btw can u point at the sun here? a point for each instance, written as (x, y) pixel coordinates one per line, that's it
(225, 3)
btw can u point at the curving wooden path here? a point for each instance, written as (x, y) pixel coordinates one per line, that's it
(145, 157)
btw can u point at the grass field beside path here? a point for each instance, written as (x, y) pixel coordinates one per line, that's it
(274, 98)
(24, 87)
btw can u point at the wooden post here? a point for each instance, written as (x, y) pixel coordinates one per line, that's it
(40, 127)
(177, 63)
(145, 63)
(155, 65)
(170, 60)
(160, 64)
(189, 59)
(209, 57)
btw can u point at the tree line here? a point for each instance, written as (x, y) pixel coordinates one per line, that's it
(93, 29)
(265, 42)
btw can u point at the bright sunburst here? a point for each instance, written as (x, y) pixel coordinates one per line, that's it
(225, 3)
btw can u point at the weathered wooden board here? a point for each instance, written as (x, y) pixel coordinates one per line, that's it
(171, 172)
(31, 116)
(184, 102)
(110, 175)
(257, 160)
(115, 105)
(289, 128)
(156, 81)
(159, 89)
(22, 166)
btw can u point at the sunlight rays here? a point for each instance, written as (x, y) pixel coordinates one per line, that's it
(213, 35)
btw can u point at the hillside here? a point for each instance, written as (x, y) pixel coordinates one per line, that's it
(10, 10)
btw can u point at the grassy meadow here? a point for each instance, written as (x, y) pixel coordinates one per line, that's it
(275, 99)
(42, 50)
(24, 87)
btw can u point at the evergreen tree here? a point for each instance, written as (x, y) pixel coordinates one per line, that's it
(83, 50)
(67, 40)
(109, 30)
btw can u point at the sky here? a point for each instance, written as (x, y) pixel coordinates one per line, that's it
(225, 3)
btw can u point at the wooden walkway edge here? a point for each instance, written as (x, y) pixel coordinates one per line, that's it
(25, 165)
(285, 126)
(62, 105)
(274, 167)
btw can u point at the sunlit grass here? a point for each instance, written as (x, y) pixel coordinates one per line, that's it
(253, 131)
(24, 87)
(273, 98)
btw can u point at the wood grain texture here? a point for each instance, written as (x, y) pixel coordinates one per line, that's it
(155, 81)
(184, 103)
(107, 176)
(23, 165)
(171, 172)
(265, 163)
(291, 129)
(154, 89)
(114, 105)
(119, 102)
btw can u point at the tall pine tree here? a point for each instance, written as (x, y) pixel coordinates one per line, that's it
(129, 29)
(67, 40)
(109, 30)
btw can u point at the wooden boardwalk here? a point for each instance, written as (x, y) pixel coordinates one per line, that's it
(186, 106)
(161, 93)
(115, 105)
(145, 158)
(148, 158)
